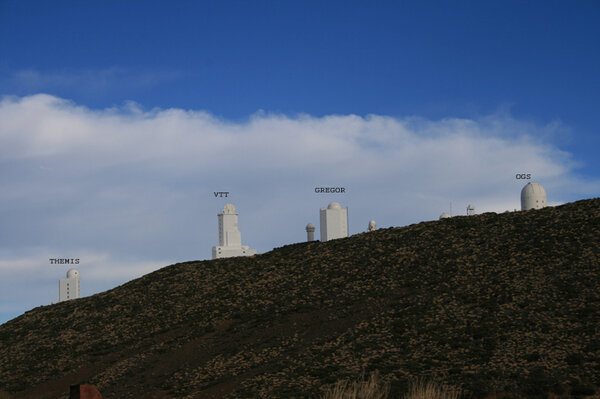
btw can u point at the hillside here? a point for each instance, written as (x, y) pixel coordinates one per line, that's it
(490, 303)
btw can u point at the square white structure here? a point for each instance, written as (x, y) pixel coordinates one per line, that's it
(334, 222)
(69, 287)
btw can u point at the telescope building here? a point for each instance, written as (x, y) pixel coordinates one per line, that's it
(230, 238)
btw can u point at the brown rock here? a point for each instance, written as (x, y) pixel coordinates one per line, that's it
(84, 392)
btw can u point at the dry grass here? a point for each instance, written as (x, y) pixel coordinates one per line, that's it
(375, 388)
(430, 390)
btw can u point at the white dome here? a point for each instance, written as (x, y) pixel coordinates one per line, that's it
(229, 209)
(310, 227)
(73, 273)
(444, 215)
(334, 205)
(533, 196)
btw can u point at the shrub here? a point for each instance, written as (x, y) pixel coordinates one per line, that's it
(574, 359)
(579, 389)
(537, 384)
(429, 390)
(373, 388)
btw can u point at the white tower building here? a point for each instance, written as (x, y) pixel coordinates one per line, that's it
(69, 288)
(533, 196)
(310, 232)
(334, 222)
(230, 238)
(372, 226)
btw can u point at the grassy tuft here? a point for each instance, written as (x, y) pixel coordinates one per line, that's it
(430, 390)
(375, 388)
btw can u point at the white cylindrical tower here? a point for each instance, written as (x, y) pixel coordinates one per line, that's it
(310, 232)
(230, 238)
(372, 226)
(229, 235)
(533, 196)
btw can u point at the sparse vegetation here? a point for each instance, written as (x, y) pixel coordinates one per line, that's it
(375, 388)
(491, 303)
(421, 389)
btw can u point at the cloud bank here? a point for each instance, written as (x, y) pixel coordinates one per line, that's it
(129, 190)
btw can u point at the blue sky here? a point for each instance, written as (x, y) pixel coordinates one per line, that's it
(119, 119)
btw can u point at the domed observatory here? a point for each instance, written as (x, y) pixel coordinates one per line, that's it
(372, 226)
(69, 288)
(230, 238)
(533, 196)
(310, 232)
(334, 222)
(445, 215)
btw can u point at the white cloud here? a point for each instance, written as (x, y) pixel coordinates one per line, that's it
(135, 185)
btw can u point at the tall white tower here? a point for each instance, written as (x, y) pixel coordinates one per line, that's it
(334, 222)
(69, 288)
(230, 238)
(310, 232)
(533, 196)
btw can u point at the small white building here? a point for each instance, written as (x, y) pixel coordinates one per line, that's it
(372, 226)
(310, 232)
(334, 222)
(230, 238)
(69, 287)
(533, 196)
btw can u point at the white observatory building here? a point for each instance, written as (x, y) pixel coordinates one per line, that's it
(69, 287)
(334, 222)
(372, 226)
(310, 232)
(533, 196)
(230, 238)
